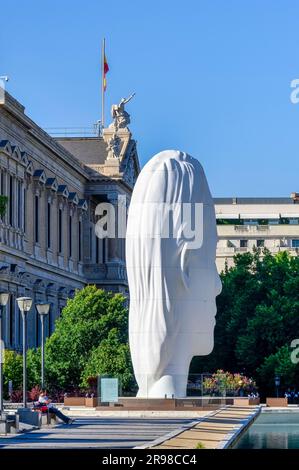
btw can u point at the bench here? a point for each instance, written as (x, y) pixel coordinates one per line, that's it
(49, 418)
(9, 424)
(46, 417)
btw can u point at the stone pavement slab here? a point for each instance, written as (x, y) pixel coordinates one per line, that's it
(95, 432)
(216, 430)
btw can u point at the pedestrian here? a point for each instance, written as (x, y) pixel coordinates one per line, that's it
(44, 400)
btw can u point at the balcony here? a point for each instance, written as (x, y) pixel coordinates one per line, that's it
(252, 228)
(11, 237)
(252, 231)
(226, 250)
(231, 251)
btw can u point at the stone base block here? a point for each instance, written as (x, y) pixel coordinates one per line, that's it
(164, 404)
(27, 416)
(74, 401)
(276, 402)
(9, 424)
(246, 401)
(48, 418)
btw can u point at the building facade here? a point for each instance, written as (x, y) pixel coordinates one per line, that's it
(48, 246)
(245, 223)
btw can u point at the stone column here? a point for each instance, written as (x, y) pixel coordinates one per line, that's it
(29, 223)
(75, 237)
(12, 191)
(54, 228)
(69, 260)
(115, 265)
(43, 222)
(65, 233)
(60, 255)
(85, 237)
(113, 245)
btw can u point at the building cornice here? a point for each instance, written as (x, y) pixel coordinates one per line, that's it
(13, 107)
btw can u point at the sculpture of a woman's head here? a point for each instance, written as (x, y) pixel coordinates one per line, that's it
(173, 281)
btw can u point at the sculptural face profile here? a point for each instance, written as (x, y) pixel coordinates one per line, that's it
(173, 279)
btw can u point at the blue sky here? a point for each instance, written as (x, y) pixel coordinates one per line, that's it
(211, 78)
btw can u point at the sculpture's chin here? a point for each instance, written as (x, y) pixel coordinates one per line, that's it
(206, 346)
(209, 349)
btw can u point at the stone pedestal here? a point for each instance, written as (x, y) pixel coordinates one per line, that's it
(9, 423)
(166, 404)
(112, 167)
(246, 401)
(276, 402)
(27, 416)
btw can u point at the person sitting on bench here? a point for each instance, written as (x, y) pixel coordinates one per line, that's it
(44, 400)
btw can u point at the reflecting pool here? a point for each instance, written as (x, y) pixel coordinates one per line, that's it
(272, 430)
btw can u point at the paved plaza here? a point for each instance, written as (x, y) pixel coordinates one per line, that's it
(216, 431)
(95, 432)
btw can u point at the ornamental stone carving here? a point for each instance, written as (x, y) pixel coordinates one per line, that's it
(121, 118)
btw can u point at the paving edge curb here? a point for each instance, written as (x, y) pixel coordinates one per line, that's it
(232, 437)
(180, 430)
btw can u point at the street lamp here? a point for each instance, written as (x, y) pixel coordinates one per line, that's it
(24, 304)
(43, 310)
(277, 384)
(4, 296)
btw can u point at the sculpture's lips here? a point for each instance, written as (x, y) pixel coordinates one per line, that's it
(209, 325)
(213, 323)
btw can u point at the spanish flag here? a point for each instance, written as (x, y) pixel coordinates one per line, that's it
(105, 70)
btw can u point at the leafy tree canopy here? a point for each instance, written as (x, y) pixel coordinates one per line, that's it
(257, 317)
(84, 327)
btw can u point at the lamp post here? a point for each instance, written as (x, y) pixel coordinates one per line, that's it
(4, 296)
(277, 384)
(43, 310)
(24, 304)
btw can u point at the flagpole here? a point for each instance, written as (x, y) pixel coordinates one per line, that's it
(103, 90)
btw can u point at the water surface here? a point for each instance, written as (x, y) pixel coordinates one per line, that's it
(272, 430)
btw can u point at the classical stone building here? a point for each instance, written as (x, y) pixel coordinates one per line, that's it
(245, 223)
(48, 246)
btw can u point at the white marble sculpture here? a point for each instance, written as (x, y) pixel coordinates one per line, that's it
(173, 280)
(113, 147)
(121, 118)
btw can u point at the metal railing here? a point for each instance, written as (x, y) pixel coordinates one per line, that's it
(252, 228)
(92, 131)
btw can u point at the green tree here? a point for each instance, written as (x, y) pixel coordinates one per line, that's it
(12, 370)
(111, 357)
(257, 315)
(278, 363)
(85, 323)
(34, 367)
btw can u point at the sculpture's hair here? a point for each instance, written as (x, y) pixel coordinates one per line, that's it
(170, 177)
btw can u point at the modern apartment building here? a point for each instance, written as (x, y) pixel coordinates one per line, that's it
(244, 223)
